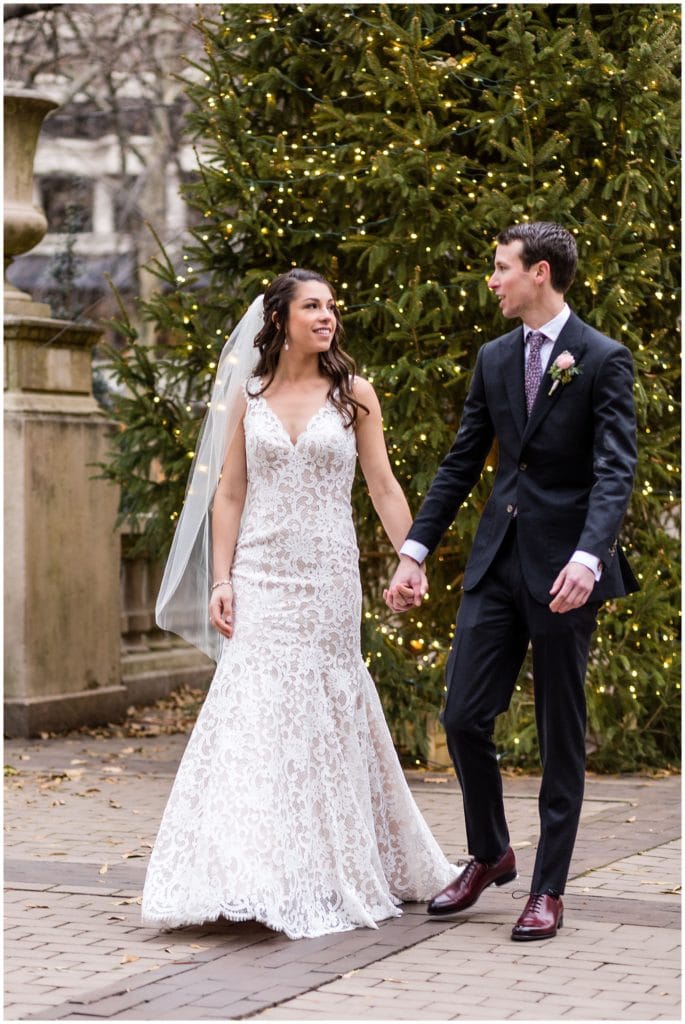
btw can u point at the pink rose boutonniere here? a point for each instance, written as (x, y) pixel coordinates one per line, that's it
(563, 370)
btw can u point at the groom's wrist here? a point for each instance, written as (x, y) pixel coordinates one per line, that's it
(413, 551)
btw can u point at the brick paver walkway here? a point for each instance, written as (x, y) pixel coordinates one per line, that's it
(80, 818)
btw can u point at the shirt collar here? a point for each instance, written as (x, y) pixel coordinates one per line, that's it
(553, 328)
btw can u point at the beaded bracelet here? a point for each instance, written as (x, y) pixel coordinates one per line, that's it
(220, 583)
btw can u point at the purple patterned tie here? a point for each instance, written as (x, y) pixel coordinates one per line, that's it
(533, 367)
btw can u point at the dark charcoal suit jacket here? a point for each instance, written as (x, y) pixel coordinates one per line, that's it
(567, 470)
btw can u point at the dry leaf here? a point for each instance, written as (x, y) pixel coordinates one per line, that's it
(57, 853)
(129, 959)
(628, 820)
(113, 803)
(78, 760)
(36, 906)
(113, 770)
(127, 902)
(103, 869)
(128, 856)
(196, 945)
(116, 917)
(436, 782)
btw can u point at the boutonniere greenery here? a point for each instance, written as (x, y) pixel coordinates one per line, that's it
(563, 370)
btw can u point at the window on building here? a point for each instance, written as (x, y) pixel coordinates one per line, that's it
(68, 202)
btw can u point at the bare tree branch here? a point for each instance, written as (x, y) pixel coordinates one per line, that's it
(12, 12)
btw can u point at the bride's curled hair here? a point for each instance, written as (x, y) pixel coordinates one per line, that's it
(335, 364)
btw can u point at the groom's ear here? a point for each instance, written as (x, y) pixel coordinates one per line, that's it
(543, 271)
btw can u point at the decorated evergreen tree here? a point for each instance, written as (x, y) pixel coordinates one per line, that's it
(385, 146)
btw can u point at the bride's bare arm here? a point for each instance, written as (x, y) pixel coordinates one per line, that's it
(385, 492)
(227, 509)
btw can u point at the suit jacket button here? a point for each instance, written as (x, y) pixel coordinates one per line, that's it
(523, 466)
(510, 509)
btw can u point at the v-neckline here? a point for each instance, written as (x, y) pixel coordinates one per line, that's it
(279, 421)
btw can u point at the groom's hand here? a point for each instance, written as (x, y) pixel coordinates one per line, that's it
(571, 588)
(408, 586)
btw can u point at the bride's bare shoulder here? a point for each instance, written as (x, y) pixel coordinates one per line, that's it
(362, 388)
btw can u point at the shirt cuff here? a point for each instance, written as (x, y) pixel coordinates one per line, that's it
(589, 561)
(415, 550)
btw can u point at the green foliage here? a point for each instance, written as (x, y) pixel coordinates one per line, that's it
(385, 146)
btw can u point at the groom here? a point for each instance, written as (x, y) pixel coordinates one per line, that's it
(557, 397)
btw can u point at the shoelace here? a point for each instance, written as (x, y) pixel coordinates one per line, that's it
(536, 902)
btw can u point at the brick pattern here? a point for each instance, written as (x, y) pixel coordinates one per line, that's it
(80, 819)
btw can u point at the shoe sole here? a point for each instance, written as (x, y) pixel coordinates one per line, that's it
(503, 880)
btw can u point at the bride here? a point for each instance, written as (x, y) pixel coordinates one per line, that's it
(289, 806)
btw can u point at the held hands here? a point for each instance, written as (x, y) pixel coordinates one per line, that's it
(407, 587)
(221, 609)
(571, 588)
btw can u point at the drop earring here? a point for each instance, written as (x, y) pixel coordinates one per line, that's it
(286, 346)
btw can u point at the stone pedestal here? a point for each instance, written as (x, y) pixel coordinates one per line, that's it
(62, 614)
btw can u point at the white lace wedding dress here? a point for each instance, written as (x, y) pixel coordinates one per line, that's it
(290, 806)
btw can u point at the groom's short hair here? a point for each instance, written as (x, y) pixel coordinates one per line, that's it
(544, 240)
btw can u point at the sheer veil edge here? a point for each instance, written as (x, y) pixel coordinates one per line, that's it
(182, 602)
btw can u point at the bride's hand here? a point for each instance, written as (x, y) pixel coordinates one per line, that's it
(221, 609)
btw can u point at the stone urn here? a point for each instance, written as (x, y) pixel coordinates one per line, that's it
(25, 224)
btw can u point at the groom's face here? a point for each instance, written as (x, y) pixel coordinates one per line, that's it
(516, 287)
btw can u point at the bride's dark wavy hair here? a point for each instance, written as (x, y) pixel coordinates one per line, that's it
(335, 364)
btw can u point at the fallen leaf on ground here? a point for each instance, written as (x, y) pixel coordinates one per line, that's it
(127, 902)
(196, 945)
(436, 781)
(36, 906)
(116, 917)
(628, 820)
(113, 803)
(129, 959)
(103, 869)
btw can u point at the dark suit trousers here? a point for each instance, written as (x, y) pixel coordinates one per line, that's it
(496, 622)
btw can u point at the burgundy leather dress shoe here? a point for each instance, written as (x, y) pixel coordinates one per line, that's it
(542, 917)
(467, 887)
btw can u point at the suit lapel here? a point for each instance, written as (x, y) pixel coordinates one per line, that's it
(569, 340)
(511, 365)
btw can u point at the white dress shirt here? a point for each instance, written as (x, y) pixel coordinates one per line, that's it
(552, 329)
